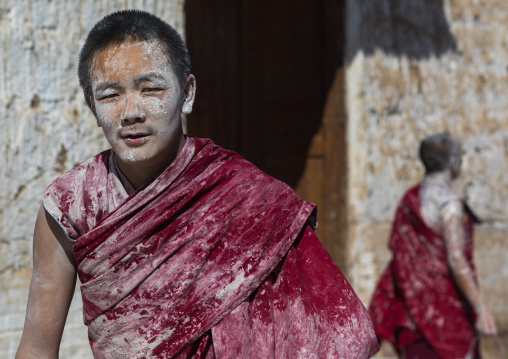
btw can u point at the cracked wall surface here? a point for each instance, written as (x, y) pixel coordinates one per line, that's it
(45, 130)
(417, 67)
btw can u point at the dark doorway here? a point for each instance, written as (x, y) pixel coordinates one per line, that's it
(270, 86)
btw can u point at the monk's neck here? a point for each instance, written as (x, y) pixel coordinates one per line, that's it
(140, 173)
(442, 178)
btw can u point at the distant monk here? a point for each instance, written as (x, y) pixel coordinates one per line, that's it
(183, 249)
(427, 303)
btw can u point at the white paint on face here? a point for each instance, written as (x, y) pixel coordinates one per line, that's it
(138, 103)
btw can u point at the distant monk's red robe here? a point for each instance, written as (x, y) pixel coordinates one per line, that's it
(416, 298)
(212, 259)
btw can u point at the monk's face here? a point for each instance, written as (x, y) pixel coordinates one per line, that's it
(138, 102)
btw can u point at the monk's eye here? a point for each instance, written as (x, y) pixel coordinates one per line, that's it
(105, 97)
(152, 89)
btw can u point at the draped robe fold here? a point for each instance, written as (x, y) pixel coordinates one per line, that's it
(211, 259)
(417, 298)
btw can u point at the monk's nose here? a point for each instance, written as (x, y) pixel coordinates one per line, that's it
(133, 110)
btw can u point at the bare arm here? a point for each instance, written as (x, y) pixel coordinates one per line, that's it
(51, 290)
(453, 229)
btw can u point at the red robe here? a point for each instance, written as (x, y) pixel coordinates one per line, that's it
(416, 298)
(213, 258)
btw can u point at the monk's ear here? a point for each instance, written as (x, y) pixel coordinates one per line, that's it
(91, 106)
(189, 94)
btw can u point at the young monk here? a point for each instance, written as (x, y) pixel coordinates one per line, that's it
(183, 249)
(428, 303)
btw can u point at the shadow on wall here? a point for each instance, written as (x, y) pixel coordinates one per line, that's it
(413, 28)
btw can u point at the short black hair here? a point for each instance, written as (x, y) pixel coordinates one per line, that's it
(132, 25)
(436, 151)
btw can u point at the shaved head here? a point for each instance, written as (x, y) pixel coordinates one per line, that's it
(436, 151)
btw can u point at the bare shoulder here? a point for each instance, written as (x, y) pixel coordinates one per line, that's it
(452, 209)
(49, 236)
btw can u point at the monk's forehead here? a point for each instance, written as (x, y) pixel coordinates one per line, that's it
(119, 58)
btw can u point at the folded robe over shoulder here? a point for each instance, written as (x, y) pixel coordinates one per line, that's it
(212, 259)
(416, 298)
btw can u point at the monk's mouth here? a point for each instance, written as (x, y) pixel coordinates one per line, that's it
(136, 139)
(135, 136)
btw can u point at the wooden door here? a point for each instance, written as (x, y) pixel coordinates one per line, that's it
(270, 86)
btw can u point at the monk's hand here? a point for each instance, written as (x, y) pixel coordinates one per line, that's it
(485, 323)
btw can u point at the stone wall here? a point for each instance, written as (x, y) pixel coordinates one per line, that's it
(45, 129)
(418, 67)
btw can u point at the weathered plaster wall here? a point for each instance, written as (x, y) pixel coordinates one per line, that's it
(418, 67)
(45, 129)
